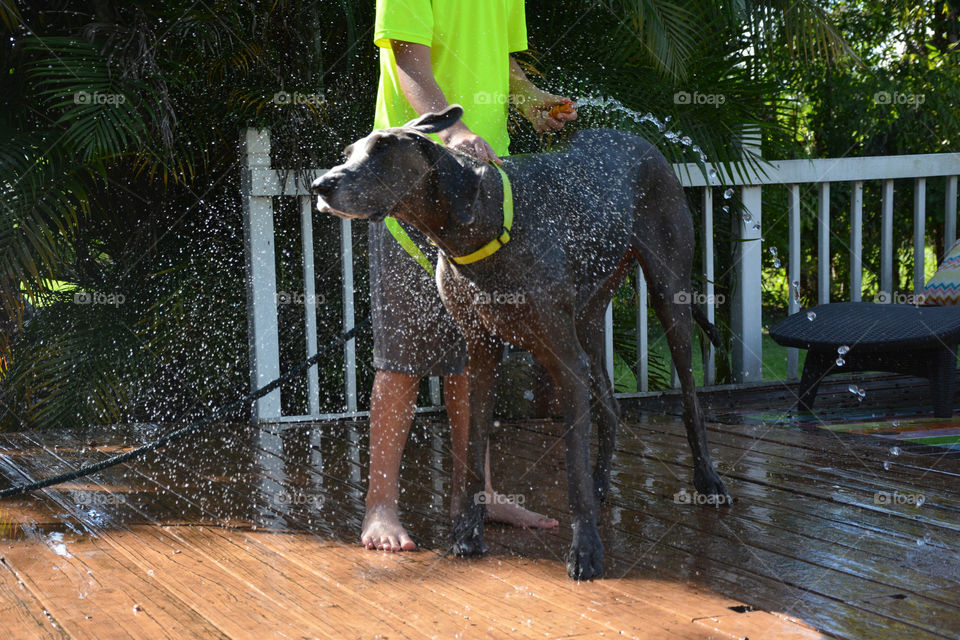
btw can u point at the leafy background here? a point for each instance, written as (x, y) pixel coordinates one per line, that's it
(138, 198)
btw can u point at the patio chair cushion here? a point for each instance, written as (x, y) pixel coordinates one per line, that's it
(865, 336)
(867, 326)
(944, 286)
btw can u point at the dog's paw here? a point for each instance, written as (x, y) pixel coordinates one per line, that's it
(585, 558)
(601, 484)
(468, 533)
(707, 482)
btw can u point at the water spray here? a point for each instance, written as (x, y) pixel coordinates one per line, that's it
(176, 434)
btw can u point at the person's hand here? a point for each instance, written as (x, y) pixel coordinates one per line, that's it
(460, 137)
(547, 112)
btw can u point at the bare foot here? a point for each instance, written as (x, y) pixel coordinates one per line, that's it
(501, 508)
(382, 530)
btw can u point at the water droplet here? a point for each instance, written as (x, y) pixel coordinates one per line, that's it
(712, 175)
(725, 209)
(895, 451)
(811, 315)
(843, 350)
(855, 390)
(776, 258)
(728, 193)
(747, 216)
(841, 362)
(886, 465)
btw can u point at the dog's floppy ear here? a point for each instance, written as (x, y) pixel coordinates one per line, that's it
(434, 122)
(457, 184)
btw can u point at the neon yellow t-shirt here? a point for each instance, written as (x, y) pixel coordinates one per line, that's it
(470, 43)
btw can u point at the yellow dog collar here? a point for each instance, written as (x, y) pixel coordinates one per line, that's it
(494, 245)
(486, 250)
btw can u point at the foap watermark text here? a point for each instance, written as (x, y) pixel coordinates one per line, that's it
(686, 497)
(685, 97)
(695, 297)
(287, 297)
(496, 297)
(96, 297)
(895, 97)
(897, 297)
(85, 97)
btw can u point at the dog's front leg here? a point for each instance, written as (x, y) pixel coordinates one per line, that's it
(470, 501)
(567, 363)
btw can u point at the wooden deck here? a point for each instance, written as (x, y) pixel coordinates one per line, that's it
(249, 532)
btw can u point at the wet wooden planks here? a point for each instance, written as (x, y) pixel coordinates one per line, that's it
(250, 532)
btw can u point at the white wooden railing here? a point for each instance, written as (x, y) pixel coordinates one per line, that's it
(261, 184)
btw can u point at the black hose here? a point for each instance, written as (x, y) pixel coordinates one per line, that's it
(182, 431)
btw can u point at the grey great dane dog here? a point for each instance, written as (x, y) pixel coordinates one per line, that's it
(582, 215)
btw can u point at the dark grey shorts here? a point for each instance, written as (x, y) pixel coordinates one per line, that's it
(412, 331)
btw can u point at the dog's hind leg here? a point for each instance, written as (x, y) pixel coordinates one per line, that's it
(663, 240)
(671, 303)
(604, 407)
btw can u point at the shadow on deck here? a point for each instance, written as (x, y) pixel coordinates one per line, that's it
(249, 531)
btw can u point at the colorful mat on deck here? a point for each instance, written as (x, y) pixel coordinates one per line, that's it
(907, 426)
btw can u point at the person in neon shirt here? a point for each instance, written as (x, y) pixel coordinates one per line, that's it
(432, 54)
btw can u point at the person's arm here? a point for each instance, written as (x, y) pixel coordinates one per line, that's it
(535, 104)
(425, 96)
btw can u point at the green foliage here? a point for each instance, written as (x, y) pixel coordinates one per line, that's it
(119, 166)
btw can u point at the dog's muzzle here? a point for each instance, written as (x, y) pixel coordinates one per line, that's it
(325, 188)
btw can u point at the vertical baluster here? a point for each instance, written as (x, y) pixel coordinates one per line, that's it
(823, 243)
(643, 366)
(856, 241)
(793, 269)
(886, 241)
(309, 304)
(350, 347)
(919, 231)
(709, 365)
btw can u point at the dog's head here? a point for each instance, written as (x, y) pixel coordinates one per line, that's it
(401, 171)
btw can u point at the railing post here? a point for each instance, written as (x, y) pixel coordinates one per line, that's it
(793, 271)
(823, 244)
(310, 304)
(747, 302)
(856, 241)
(709, 364)
(349, 319)
(886, 240)
(919, 232)
(261, 277)
(608, 341)
(950, 214)
(643, 365)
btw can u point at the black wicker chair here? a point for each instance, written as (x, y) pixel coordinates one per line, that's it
(900, 338)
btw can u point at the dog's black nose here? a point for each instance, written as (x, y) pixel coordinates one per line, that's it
(322, 186)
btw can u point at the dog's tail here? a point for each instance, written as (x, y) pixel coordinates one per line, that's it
(708, 327)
